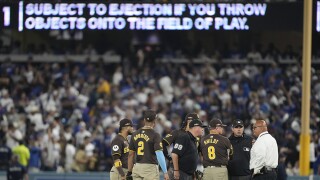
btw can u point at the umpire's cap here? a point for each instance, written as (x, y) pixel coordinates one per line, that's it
(188, 117)
(150, 115)
(196, 122)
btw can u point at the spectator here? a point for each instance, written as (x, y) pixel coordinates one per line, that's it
(88, 146)
(13, 136)
(6, 101)
(69, 155)
(103, 87)
(51, 152)
(281, 169)
(80, 160)
(23, 153)
(83, 132)
(109, 135)
(93, 161)
(5, 155)
(35, 157)
(16, 170)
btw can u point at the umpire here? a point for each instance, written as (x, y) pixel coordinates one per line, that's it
(173, 136)
(185, 152)
(238, 166)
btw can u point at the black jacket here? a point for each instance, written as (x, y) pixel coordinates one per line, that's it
(239, 165)
(186, 149)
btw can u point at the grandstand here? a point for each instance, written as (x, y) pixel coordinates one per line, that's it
(58, 87)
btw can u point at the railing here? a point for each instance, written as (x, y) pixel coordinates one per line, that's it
(61, 58)
(104, 176)
(117, 58)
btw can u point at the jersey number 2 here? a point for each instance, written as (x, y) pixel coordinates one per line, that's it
(211, 153)
(140, 148)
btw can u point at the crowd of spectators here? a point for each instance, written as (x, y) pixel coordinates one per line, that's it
(68, 113)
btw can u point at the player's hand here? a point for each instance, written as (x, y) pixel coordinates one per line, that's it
(123, 177)
(176, 174)
(166, 176)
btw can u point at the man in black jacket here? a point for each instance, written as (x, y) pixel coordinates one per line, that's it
(238, 167)
(185, 152)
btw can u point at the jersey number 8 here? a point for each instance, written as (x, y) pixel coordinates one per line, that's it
(211, 153)
(140, 148)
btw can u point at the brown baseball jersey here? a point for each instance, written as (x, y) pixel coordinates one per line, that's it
(173, 136)
(145, 142)
(215, 149)
(120, 150)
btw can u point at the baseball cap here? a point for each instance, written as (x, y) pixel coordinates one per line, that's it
(188, 117)
(150, 115)
(237, 122)
(125, 122)
(196, 122)
(191, 116)
(216, 122)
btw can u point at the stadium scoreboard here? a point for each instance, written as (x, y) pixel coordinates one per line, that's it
(89, 15)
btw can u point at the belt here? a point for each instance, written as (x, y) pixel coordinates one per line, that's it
(215, 166)
(265, 170)
(270, 169)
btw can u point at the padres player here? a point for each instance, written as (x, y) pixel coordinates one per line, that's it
(146, 144)
(173, 136)
(216, 151)
(120, 150)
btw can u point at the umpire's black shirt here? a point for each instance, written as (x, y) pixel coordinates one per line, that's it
(186, 149)
(239, 165)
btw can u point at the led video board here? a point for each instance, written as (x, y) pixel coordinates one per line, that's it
(79, 15)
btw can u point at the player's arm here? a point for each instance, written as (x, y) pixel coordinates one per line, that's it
(116, 156)
(167, 141)
(132, 151)
(130, 161)
(165, 150)
(161, 161)
(159, 153)
(118, 165)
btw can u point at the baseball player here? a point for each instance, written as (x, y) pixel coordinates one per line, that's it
(146, 144)
(173, 136)
(216, 151)
(120, 151)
